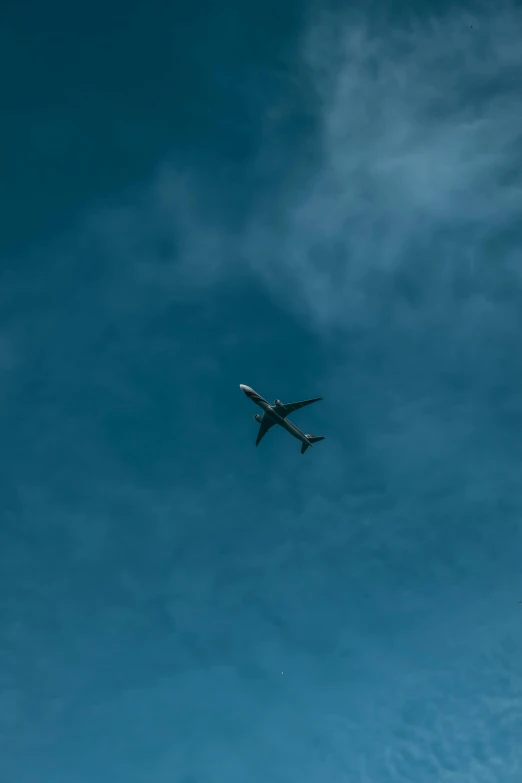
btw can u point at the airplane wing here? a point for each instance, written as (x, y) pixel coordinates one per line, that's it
(265, 425)
(290, 407)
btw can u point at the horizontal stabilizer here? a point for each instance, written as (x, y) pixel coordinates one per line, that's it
(311, 439)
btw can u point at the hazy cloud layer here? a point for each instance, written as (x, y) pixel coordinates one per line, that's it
(409, 187)
(418, 186)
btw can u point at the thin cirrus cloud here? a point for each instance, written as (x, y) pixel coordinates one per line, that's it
(412, 193)
(419, 167)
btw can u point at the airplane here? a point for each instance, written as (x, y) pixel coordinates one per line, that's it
(277, 414)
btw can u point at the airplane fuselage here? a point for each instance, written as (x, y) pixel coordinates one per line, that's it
(271, 412)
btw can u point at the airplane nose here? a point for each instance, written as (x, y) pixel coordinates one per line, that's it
(245, 389)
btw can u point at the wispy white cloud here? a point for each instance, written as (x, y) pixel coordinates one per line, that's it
(413, 185)
(419, 169)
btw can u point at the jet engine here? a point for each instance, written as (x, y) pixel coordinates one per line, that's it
(257, 417)
(278, 403)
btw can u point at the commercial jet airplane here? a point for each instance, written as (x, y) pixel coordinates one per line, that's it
(277, 414)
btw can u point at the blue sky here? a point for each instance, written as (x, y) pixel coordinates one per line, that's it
(312, 201)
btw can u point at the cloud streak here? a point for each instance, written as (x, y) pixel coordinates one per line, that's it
(419, 170)
(408, 189)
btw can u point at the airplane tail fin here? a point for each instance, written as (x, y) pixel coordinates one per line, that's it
(311, 439)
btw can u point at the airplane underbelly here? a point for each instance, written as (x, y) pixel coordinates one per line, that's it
(289, 427)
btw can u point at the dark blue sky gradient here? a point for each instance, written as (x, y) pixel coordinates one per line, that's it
(311, 202)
